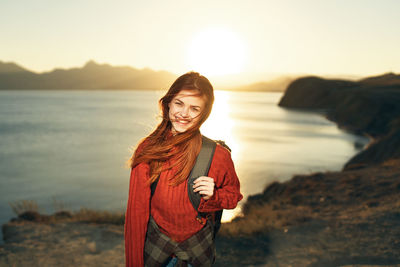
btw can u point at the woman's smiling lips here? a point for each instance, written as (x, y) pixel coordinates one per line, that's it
(182, 121)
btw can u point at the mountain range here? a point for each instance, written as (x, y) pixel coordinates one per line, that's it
(91, 76)
(95, 76)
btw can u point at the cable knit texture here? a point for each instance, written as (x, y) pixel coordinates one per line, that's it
(170, 205)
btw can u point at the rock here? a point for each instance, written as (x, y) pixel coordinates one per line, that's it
(314, 93)
(33, 216)
(381, 150)
(63, 214)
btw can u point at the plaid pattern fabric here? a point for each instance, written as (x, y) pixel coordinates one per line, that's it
(198, 250)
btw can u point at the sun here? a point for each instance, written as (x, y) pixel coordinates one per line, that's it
(216, 51)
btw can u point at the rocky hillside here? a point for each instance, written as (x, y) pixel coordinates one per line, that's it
(370, 106)
(348, 218)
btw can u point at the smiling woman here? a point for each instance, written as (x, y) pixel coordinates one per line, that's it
(184, 110)
(216, 52)
(158, 219)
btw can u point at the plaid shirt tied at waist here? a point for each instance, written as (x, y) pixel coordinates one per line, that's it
(198, 250)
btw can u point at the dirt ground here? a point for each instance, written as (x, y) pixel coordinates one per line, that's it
(347, 218)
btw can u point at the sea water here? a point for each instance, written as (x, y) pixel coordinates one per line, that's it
(72, 146)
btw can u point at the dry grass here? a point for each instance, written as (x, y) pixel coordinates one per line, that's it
(99, 217)
(59, 205)
(28, 210)
(336, 197)
(262, 218)
(22, 206)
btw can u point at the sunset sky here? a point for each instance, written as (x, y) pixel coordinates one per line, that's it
(253, 38)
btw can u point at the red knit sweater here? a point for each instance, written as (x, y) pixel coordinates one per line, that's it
(170, 205)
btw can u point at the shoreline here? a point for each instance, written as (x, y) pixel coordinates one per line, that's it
(44, 199)
(285, 225)
(346, 217)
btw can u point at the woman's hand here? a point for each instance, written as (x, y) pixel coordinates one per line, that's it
(205, 186)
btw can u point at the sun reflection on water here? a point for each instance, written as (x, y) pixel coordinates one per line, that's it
(219, 126)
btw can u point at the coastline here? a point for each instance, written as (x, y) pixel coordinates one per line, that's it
(347, 217)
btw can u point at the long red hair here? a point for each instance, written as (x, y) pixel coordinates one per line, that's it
(161, 145)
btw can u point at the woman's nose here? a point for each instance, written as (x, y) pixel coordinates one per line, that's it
(185, 112)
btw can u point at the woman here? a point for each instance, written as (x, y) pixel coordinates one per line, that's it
(162, 229)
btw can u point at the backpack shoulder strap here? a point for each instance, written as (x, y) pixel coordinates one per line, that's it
(222, 143)
(153, 186)
(201, 167)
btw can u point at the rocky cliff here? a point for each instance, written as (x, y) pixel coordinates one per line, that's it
(370, 107)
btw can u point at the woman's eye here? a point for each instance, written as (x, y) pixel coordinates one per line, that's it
(178, 103)
(196, 109)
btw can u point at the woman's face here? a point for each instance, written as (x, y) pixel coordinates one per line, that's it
(185, 110)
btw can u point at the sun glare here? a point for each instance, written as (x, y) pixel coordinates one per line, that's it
(219, 126)
(216, 52)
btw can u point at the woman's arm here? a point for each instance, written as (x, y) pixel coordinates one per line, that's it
(137, 215)
(226, 192)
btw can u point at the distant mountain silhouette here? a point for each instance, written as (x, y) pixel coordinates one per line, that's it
(91, 76)
(94, 76)
(385, 79)
(9, 67)
(277, 85)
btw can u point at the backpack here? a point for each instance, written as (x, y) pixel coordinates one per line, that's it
(201, 168)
